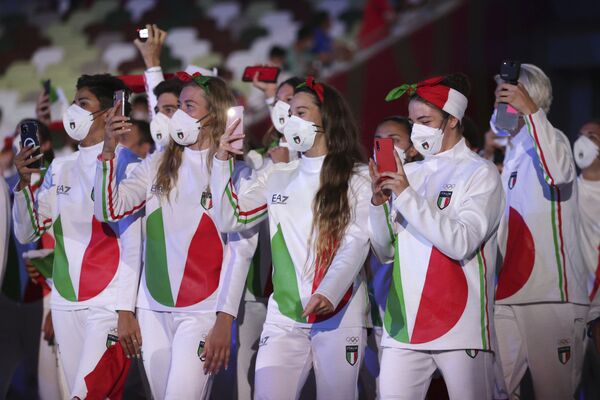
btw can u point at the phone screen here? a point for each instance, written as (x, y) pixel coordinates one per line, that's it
(233, 114)
(29, 138)
(265, 74)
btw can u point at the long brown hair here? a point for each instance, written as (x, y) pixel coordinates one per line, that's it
(219, 98)
(331, 207)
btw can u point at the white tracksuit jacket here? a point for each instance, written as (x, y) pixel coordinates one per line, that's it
(95, 264)
(441, 236)
(589, 211)
(188, 264)
(285, 192)
(540, 227)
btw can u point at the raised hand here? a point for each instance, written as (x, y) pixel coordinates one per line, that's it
(116, 126)
(151, 48)
(397, 181)
(42, 108)
(22, 163)
(517, 96)
(269, 89)
(226, 150)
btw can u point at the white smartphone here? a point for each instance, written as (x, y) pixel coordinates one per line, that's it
(232, 114)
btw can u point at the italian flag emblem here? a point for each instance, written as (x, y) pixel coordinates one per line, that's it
(352, 354)
(111, 340)
(564, 354)
(206, 200)
(512, 180)
(200, 351)
(444, 199)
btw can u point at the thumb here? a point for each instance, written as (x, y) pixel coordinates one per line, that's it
(310, 307)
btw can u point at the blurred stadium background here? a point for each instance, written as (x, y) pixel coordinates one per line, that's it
(376, 45)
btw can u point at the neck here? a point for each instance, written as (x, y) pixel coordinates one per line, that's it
(592, 173)
(319, 148)
(450, 139)
(92, 139)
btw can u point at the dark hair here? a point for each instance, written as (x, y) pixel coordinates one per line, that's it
(103, 86)
(331, 206)
(400, 120)
(277, 51)
(472, 134)
(172, 85)
(456, 81)
(294, 81)
(144, 128)
(305, 32)
(320, 18)
(139, 99)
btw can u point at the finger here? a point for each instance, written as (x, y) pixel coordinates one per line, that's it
(233, 151)
(26, 152)
(138, 335)
(25, 170)
(391, 175)
(125, 347)
(227, 355)
(138, 43)
(208, 355)
(232, 127)
(136, 345)
(31, 160)
(112, 111)
(150, 34)
(119, 126)
(310, 308)
(162, 36)
(235, 137)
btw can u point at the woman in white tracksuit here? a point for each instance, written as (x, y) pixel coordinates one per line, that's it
(317, 208)
(438, 226)
(193, 276)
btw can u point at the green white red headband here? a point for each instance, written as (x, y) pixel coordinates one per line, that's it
(445, 98)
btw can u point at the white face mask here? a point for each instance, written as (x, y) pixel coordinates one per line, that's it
(184, 129)
(280, 114)
(501, 141)
(299, 134)
(497, 131)
(159, 129)
(585, 151)
(292, 154)
(401, 154)
(427, 140)
(77, 122)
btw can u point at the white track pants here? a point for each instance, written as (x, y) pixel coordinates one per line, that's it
(287, 354)
(49, 374)
(406, 374)
(171, 346)
(548, 339)
(81, 337)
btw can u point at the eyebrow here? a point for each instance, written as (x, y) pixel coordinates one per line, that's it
(83, 98)
(299, 107)
(422, 117)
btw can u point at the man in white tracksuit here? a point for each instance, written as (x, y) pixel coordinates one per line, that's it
(440, 233)
(541, 297)
(587, 157)
(96, 265)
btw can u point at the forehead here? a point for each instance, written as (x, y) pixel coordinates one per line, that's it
(392, 128)
(285, 91)
(167, 97)
(302, 99)
(591, 128)
(417, 108)
(85, 92)
(191, 92)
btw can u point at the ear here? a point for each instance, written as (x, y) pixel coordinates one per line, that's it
(453, 122)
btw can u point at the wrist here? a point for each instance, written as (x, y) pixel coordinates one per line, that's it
(23, 183)
(124, 312)
(377, 200)
(223, 316)
(222, 155)
(151, 62)
(107, 155)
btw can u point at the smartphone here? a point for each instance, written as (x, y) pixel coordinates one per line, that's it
(30, 138)
(384, 155)
(120, 95)
(507, 117)
(142, 34)
(232, 114)
(46, 85)
(265, 74)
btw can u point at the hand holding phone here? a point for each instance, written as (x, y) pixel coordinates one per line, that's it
(120, 96)
(142, 34)
(30, 138)
(265, 73)
(384, 155)
(233, 114)
(507, 117)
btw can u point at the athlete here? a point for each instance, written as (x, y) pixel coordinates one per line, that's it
(440, 234)
(317, 208)
(96, 265)
(541, 296)
(193, 276)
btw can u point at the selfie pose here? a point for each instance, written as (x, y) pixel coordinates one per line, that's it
(317, 209)
(541, 298)
(436, 220)
(193, 276)
(96, 265)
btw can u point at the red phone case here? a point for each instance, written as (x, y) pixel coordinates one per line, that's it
(384, 155)
(265, 74)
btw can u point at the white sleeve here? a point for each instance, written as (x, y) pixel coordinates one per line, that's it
(130, 265)
(236, 263)
(553, 149)
(236, 212)
(354, 247)
(115, 201)
(4, 226)
(381, 232)
(477, 217)
(32, 212)
(152, 77)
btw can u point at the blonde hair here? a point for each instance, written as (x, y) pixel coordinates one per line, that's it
(537, 84)
(219, 98)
